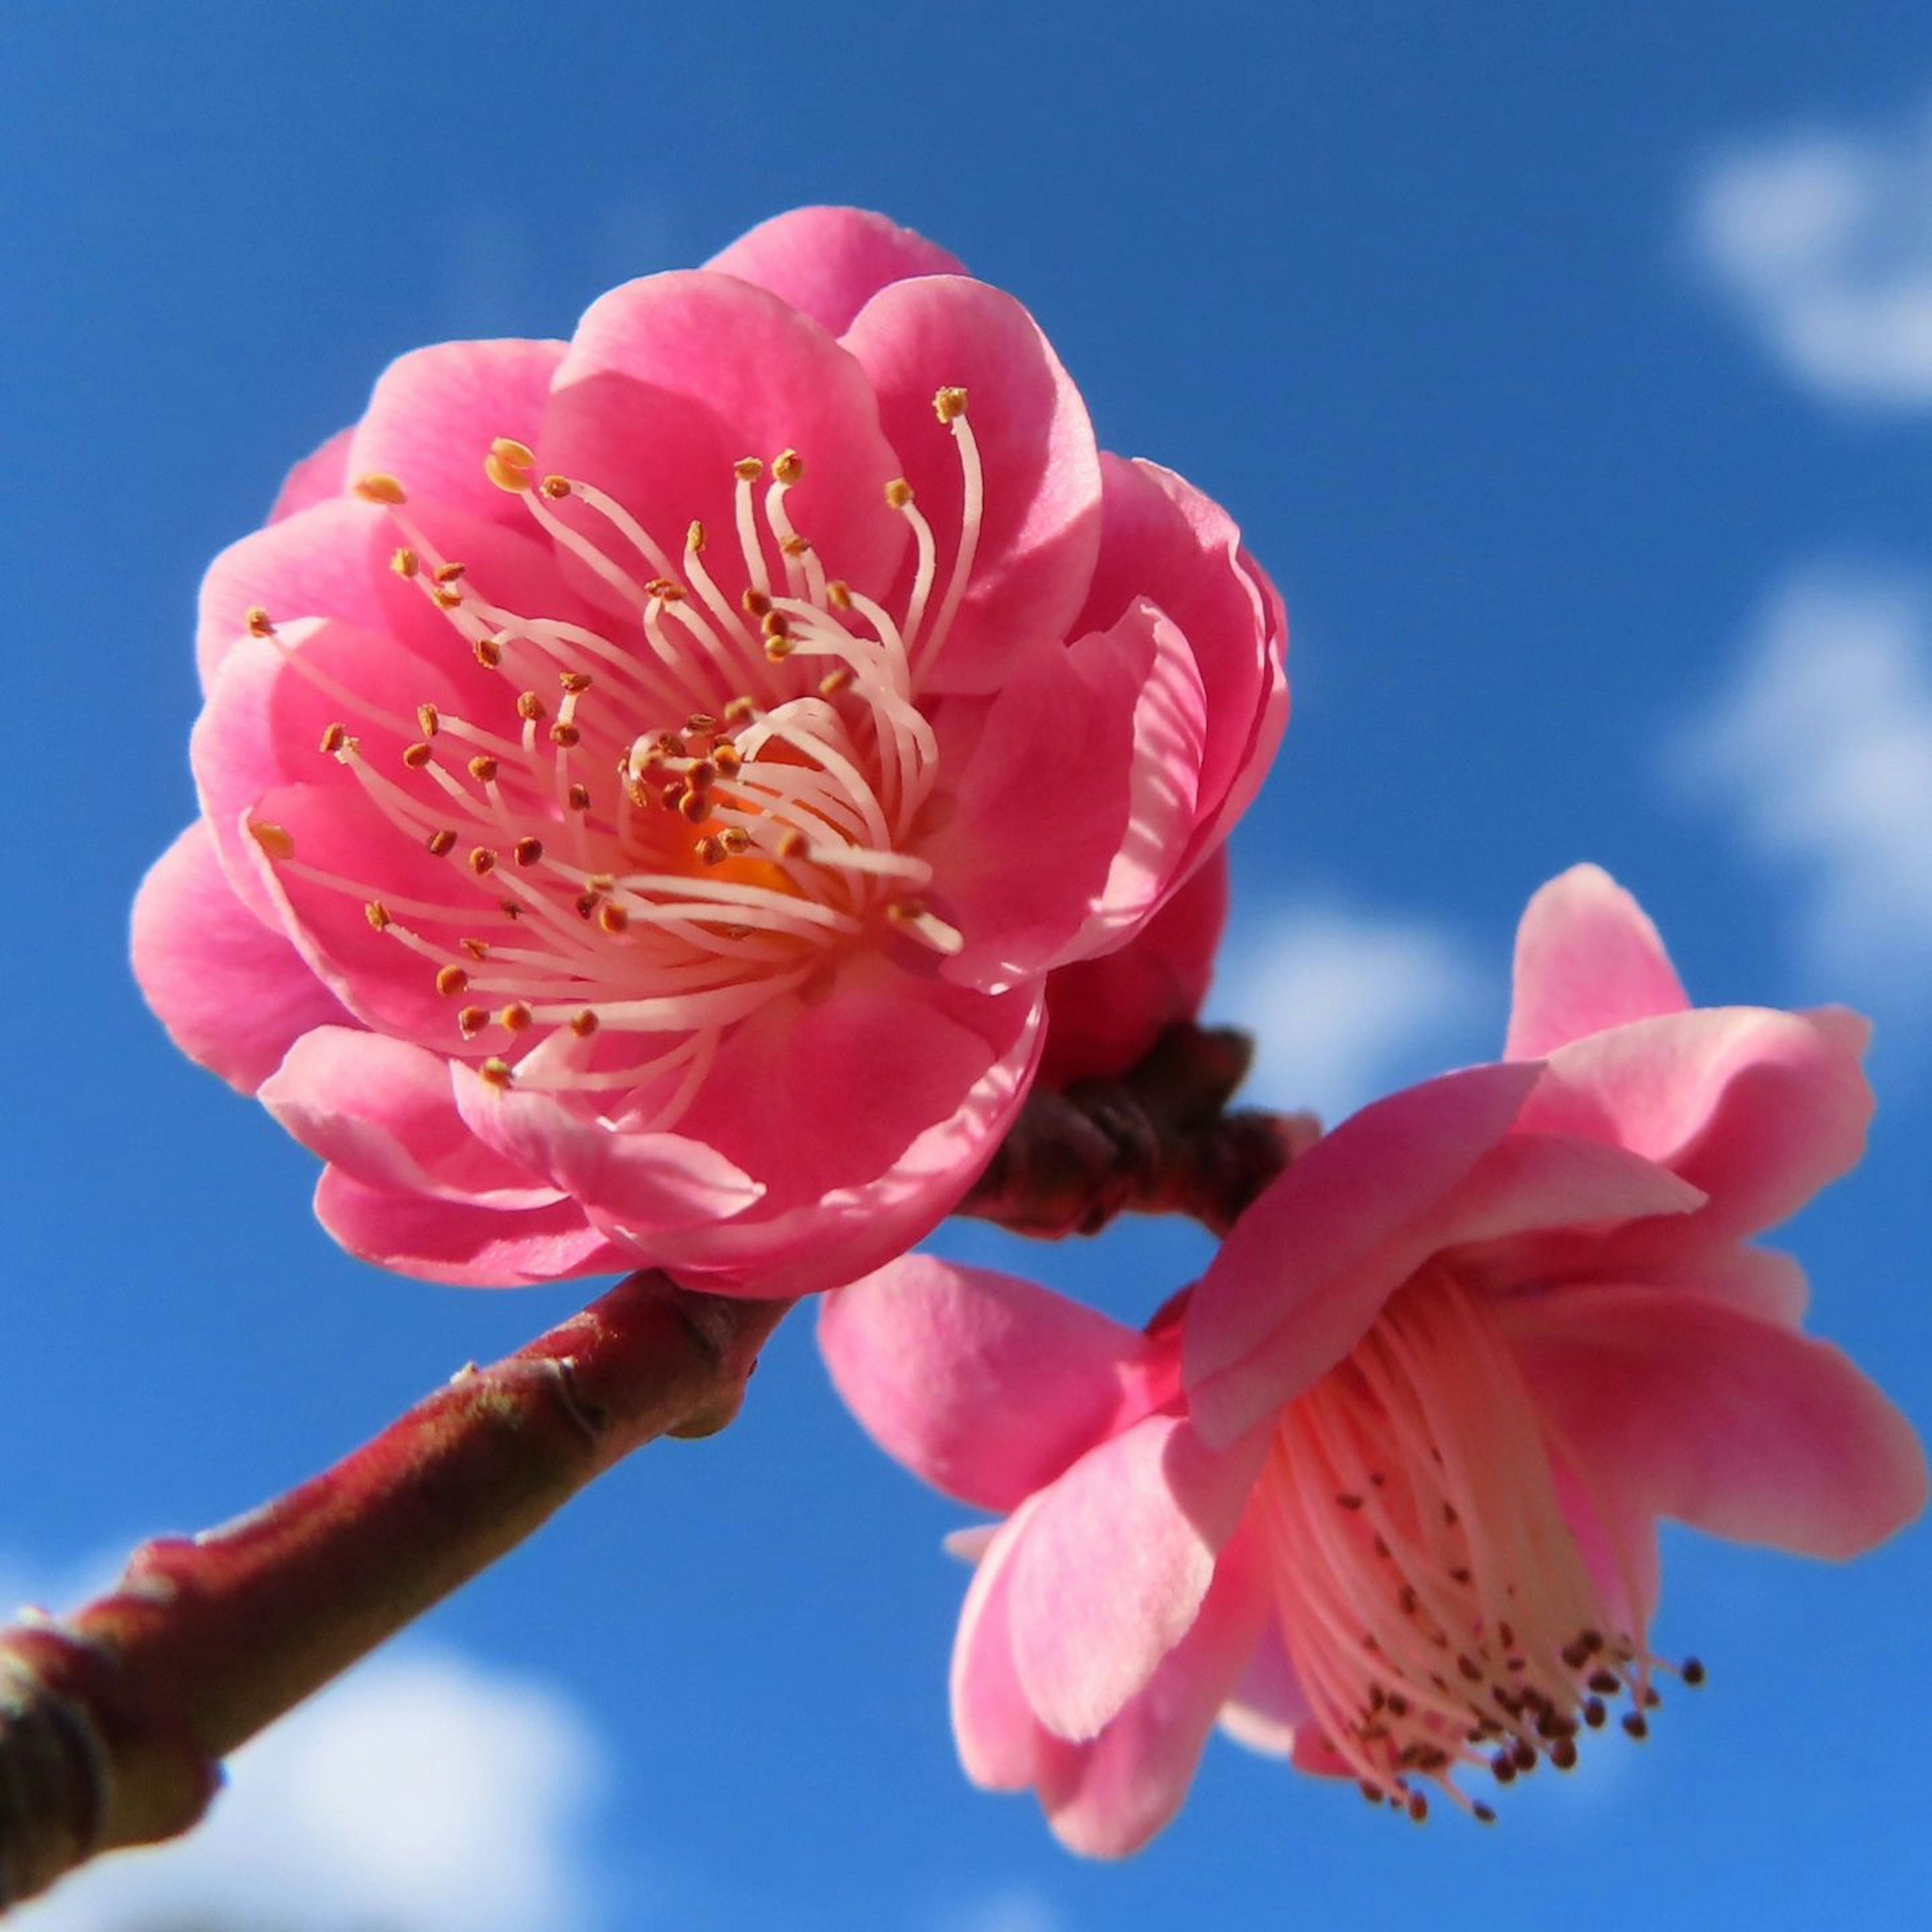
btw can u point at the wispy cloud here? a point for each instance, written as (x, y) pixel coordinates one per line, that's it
(1347, 1004)
(1819, 749)
(423, 1793)
(1020, 1909)
(1822, 239)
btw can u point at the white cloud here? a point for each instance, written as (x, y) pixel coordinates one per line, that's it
(1347, 1005)
(1820, 748)
(422, 1793)
(1823, 238)
(1019, 1910)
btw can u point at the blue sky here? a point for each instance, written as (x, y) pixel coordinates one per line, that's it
(1573, 376)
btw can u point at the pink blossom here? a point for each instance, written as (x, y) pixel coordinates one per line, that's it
(648, 782)
(1380, 1495)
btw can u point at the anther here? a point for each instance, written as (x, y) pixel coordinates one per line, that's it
(451, 980)
(273, 839)
(948, 403)
(529, 706)
(1692, 1673)
(334, 739)
(899, 492)
(404, 562)
(441, 844)
(735, 839)
(727, 759)
(483, 768)
(748, 470)
(694, 538)
(508, 464)
(515, 1018)
(449, 573)
(612, 917)
(419, 754)
(445, 597)
(579, 796)
(1635, 1724)
(1593, 1713)
(378, 487)
(259, 625)
(528, 850)
(838, 594)
(740, 711)
(711, 850)
(1484, 1814)
(489, 652)
(583, 1024)
(556, 487)
(565, 735)
(472, 1020)
(496, 1072)
(482, 860)
(796, 545)
(788, 467)
(756, 603)
(574, 681)
(377, 914)
(429, 720)
(477, 948)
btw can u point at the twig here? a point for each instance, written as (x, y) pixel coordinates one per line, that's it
(113, 1721)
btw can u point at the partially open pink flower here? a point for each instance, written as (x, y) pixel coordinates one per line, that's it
(1382, 1493)
(648, 781)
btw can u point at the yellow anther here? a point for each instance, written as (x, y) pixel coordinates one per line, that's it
(377, 914)
(418, 755)
(612, 917)
(273, 839)
(838, 594)
(528, 851)
(735, 839)
(489, 652)
(482, 860)
(580, 798)
(477, 948)
(583, 1024)
(334, 739)
(519, 455)
(565, 735)
(483, 768)
(505, 475)
(258, 623)
(445, 599)
(441, 844)
(378, 487)
(556, 486)
(948, 403)
(405, 562)
(899, 492)
(429, 720)
(796, 545)
(788, 467)
(447, 573)
(451, 980)
(472, 1020)
(748, 470)
(834, 682)
(574, 681)
(711, 850)
(515, 1017)
(529, 706)
(496, 1072)
(694, 538)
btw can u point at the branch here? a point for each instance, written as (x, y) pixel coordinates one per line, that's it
(1159, 1140)
(113, 1721)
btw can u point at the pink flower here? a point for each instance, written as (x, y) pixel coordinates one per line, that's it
(648, 782)
(1382, 1493)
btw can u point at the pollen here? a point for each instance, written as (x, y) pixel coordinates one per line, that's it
(405, 562)
(949, 404)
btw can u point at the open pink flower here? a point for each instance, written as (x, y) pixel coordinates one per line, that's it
(648, 781)
(1381, 1492)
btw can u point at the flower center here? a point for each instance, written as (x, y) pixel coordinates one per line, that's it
(1430, 1589)
(668, 822)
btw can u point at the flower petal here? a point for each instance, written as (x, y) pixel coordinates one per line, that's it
(1040, 530)
(670, 381)
(1697, 1410)
(829, 263)
(1760, 1109)
(985, 1385)
(1306, 1269)
(1112, 1570)
(1104, 1015)
(1108, 1798)
(1001, 1741)
(1266, 1709)
(316, 477)
(382, 1111)
(436, 411)
(466, 1246)
(1587, 958)
(232, 993)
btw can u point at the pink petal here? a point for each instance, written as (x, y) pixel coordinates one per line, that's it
(1111, 1571)
(436, 411)
(670, 381)
(1759, 1109)
(1108, 1798)
(1306, 1270)
(1587, 958)
(1532, 1181)
(1040, 530)
(1000, 1740)
(1616, 1537)
(1104, 1015)
(903, 1136)
(1268, 1708)
(382, 1112)
(648, 1183)
(983, 1384)
(829, 263)
(1083, 764)
(1163, 540)
(1697, 1410)
(454, 1242)
(316, 477)
(232, 993)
